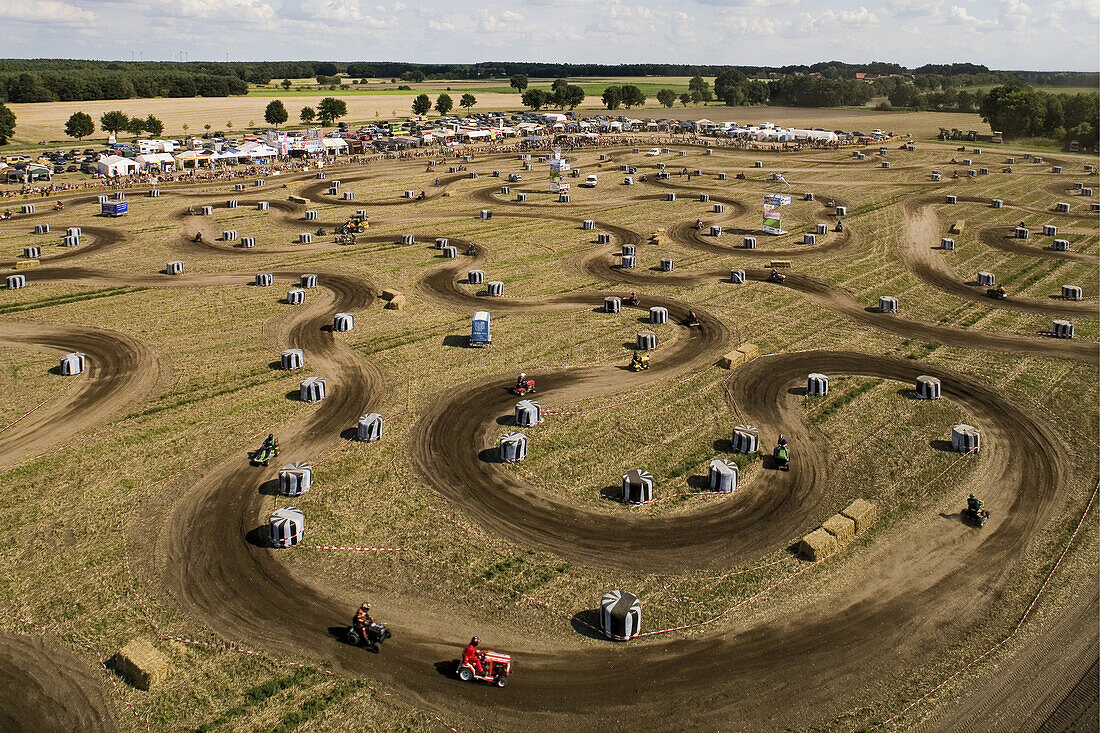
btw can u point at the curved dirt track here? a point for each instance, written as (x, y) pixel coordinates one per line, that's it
(120, 370)
(49, 689)
(738, 676)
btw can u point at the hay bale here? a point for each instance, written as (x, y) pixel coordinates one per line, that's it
(298, 200)
(389, 294)
(776, 264)
(862, 512)
(958, 226)
(141, 664)
(732, 359)
(817, 545)
(841, 527)
(26, 264)
(397, 303)
(751, 351)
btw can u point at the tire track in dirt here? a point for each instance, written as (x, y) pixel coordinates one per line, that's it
(48, 688)
(120, 370)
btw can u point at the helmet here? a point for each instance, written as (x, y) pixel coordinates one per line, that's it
(523, 374)
(365, 606)
(972, 496)
(475, 641)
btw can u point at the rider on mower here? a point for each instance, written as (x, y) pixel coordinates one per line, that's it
(974, 504)
(198, 236)
(471, 656)
(698, 224)
(631, 299)
(362, 621)
(692, 319)
(640, 361)
(839, 227)
(782, 441)
(523, 384)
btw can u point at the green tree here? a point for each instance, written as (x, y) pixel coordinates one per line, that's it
(307, 114)
(114, 122)
(536, 99)
(756, 92)
(444, 104)
(275, 113)
(331, 109)
(286, 84)
(80, 125)
(7, 124)
(612, 97)
(728, 87)
(568, 95)
(700, 90)
(135, 126)
(421, 104)
(518, 82)
(667, 97)
(685, 98)
(633, 96)
(468, 101)
(154, 126)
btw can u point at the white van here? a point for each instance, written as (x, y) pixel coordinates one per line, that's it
(590, 182)
(653, 151)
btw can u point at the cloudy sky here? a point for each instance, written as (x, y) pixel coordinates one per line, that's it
(1003, 34)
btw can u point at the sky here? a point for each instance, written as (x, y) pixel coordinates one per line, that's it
(1002, 34)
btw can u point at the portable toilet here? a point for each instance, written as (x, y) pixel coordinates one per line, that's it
(480, 334)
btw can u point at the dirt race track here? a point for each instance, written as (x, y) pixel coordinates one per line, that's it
(920, 592)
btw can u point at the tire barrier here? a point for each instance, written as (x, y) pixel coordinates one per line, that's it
(248, 242)
(229, 235)
(658, 315)
(746, 439)
(667, 265)
(505, 190)
(817, 385)
(1071, 292)
(603, 238)
(513, 447)
(409, 194)
(100, 199)
(495, 288)
(627, 262)
(305, 238)
(16, 282)
(295, 479)
(291, 359)
(809, 239)
(719, 208)
(935, 176)
(1021, 233)
(206, 211)
(475, 277)
(154, 193)
(588, 224)
(646, 341)
(715, 230)
(564, 198)
(1062, 329)
(821, 230)
(887, 304)
(620, 615)
(264, 279)
(32, 253)
(347, 195)
(408, 239)
(441, 242)
(841, 210)
(1061, 207)
(307, 280)
(174, 268)
(528, 413)
(41, 228)
(722, 476)
(737, 277)
(986, 279)
(965, 439)
(311, 215)
(947, 243)
(295, 296)
(997, 204)
(369, 428)
(312, 389)
(670, 196)
(1049, 230)
(521, 197)
(807, 196)
(1060, 245)
(749, 242)
(704, 198)
(231, 204)
(68, 241)
(450, 252)
(612, 304)
(263, 206)
(259, 182)
(238, 187)
(885, 164)
(343, 322)
(637, 486)
(73, 364)
(927, 388)
(627, 250)
(723, 176)
(486, 214)
(286, 526)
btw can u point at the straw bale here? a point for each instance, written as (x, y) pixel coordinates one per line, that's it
(841, 527)
(862, 512)
(141, 664)
(817, 545)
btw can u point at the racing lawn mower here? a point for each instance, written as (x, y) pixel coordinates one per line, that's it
(777, 277)
(267, 451)
(372, 635)
(354, 225)
(639, 362)
(495, 668)
(782, 455)
(523, 386)
(997, 293)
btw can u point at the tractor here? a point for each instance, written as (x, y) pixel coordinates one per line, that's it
(354, 225)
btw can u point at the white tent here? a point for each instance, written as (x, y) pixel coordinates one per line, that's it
(257, 150)
(165, 161)
(116, 165)
(335, 145)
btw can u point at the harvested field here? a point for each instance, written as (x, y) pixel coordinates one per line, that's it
(134, 512)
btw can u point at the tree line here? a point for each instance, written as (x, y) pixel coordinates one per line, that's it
(72, 86)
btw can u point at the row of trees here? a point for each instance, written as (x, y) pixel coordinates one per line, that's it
(443, 103)
(328, 111)
(1022, 112)
(80, 124)
(77, 86)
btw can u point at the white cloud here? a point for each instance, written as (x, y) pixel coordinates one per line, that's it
(45, 11)
(959, 14)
